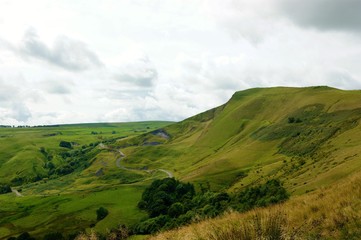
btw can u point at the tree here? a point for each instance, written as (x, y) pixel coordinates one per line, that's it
(176, 209)
(102, 213)
(5, 189)
(25, 236)
(54, 236)
(269, 193)
(65, 144)
(161, 194)
(291, 120)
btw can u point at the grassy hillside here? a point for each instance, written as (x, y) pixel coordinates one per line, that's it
(307, 137)
(68, 203)
(328, 213)
(24, 152)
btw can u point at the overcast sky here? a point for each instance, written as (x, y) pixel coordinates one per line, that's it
(72, 61)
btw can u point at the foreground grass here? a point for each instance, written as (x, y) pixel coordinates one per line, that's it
(332, 213)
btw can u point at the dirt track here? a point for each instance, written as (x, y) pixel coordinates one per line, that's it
(119, 165)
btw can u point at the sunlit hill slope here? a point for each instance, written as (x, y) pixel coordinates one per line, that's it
(307, 137)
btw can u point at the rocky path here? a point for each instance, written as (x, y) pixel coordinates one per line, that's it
(119, 165)
(16, 192)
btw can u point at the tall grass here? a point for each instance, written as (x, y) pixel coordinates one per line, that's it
(332, 213)
(260, 226)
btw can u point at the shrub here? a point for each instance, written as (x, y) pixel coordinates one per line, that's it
(269, 193)
(176, 209)
(54, 236)
(65, 144)
(171, 203)
(161, 194)
(25, 236)
(101, 213)
(5, 189)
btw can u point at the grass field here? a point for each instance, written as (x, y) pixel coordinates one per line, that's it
(20, 154)
(68, 203)
(250, 139)
(306, 137)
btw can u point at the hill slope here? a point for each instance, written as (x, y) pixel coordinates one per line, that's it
(330, 213)
(307, 137)
(25, 153)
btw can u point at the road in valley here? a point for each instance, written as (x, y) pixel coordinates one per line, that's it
(16, 192)
(119, 165)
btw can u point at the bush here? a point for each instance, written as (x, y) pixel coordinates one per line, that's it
(25, 236)
(5, 189)
(171, 203)
(54, 236)
(176, 209)
(269, 193)
(65, 144)
(161, 194)
(101, 213)
(152, 225)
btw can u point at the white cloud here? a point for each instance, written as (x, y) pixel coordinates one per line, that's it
(13, 106)
(139, 72)
(324, 14)
(65, 53)
(86, 61)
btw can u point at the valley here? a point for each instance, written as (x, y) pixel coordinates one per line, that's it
(307, 138)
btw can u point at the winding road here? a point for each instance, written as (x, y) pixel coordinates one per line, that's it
(16, 192)
(170, 175)
(119, 165)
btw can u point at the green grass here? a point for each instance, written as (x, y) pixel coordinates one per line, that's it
(244, 142)
(20, 147)
(68, 213)
(68, 204)
(251, 133)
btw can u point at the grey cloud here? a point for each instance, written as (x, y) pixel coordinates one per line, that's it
(7, 45)
(20, 112)
(144, 80)
(140, 73)
(6, 92)
(324, 14)
(11, 99)
(123, 94)
(57, 87)
(343, 79)
(221, 73)
(65, 53)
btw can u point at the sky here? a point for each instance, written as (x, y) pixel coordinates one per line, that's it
(79, 61)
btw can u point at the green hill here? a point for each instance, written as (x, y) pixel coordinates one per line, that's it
(306, 137)
(56, 201)
(25, 153)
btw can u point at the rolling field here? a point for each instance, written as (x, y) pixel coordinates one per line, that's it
(68, 203)
(20, 154)
(308, 138)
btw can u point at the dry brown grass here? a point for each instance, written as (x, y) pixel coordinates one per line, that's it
(87, 236)
(332, 213)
